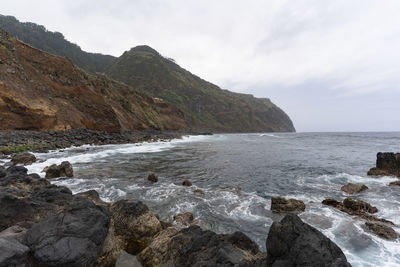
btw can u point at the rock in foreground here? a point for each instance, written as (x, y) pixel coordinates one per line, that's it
(387, 163)
(23, 158)
(280, 204)
(353, 188)
(294, 243)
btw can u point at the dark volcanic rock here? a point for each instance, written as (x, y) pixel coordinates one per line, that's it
(353, 188)
(195, 247)
(331, 202)
(291, 242)
(280, 204)
(186, 182)
(73, 237)
(153, 177)
(387, 163)
(13, 253)
(23, 158)
(135, 224)
(382, 230)
(62, 170)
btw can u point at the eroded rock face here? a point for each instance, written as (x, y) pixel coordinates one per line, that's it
(62, 170)
(353, 188)
(387, 163)
(382, 230)
(196, 247)
(292, 242)
(134, 224)
(280, 204)
(184, 219)
(358, 206)
(23, 158)
(13, 253)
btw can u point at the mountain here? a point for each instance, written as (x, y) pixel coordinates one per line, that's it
(206, 106)
(40, 91)
(54, 43)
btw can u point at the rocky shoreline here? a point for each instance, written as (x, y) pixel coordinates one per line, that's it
(42, 141)
(46, 225)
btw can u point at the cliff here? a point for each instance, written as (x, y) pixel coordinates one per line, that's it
(40, 91)
(206, 106)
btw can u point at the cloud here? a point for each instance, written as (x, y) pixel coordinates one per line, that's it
(319, 51)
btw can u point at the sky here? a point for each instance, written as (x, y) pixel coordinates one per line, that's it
(330, 65)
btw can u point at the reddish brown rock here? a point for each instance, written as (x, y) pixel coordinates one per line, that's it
(186, 182)
(153, 177)
(382, 230)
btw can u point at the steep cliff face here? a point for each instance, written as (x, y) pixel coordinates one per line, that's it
(39, 91)
(206, 106)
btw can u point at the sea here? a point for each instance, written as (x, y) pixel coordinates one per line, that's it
(239, 173)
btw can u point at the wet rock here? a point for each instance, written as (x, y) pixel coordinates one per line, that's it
(2, 172)
(134, 224)
(292, 242)
(199, 192)
(186, 182)
(359, 206)
(353, 188)
(153, 177)
(382, 230)
(185, 219)
(280, 204)
(396, 183)
(62, 170)
(73, 237)
(23, 158)
(331, 202)
(13, 253)
(387, 163)
(94, 196)
(196, 247)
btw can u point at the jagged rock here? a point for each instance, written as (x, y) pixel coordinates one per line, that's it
(73, 237)
(13, 253)
(62, 170)
(134, 224)
(23, 158)
(196, 247)
(359, 205)
(292, 242)
(395, 183)
(280, 204)
(186, 182)
(387, 163)
(382, 230)
(153, 177)
(353, 188)
(185, 219)
(94, 196)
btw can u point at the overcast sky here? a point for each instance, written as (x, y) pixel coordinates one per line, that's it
(331, 65)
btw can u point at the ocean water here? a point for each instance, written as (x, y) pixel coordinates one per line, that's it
(239, 173)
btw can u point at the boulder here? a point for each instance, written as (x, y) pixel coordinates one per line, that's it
(62, 170)
(199, 192)
(73, 237)
(184, 219)
(23, 158)
(387, 163)
(153, 177)
(331, 202)
(359, 206)
(186, 182)
(13, 253)
(193, 246)
(280, 204)
(134, 224)
(292, 242)
(353, 188)
(382, 230)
